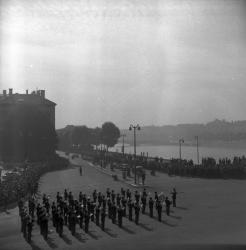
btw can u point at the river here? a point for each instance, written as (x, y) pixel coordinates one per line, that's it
(187, 152)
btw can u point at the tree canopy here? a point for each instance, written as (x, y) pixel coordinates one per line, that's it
(85, 138)
(110, 134)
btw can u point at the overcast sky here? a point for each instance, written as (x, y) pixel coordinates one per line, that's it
(139, 61)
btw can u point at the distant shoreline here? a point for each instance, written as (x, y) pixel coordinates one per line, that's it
(201, 144)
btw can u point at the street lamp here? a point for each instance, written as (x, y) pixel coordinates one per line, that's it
(197, 150)
(123, 143)
(180, 141)
(134, 130)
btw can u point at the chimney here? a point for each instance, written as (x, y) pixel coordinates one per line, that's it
(4, 92)
(27, 92)
(10, 91)
(42, 93)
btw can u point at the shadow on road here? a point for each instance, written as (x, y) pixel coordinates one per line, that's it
(168, 224)
(79, 237)
(182, 208)
(145, 226)
(176, 217)
(65, 238)
(108, 231)
(95, 237)
(34, 246)
(127, 230)
(51, 243)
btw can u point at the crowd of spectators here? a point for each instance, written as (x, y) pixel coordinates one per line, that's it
(23, 180)
(209, 168)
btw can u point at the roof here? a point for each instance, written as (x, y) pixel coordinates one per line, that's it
(25, 98)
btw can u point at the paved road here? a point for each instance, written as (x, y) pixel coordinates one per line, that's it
(209, 212)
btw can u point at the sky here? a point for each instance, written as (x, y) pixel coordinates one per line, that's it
(141, 61)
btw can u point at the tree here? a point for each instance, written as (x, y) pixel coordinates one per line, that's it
(110, 134)
(96, 136)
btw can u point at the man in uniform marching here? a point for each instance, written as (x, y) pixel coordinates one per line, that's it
(151, 205)
(97, 215)
(168, 203)
(137, 211)
(103, 215)
(29, 228)
(159, 210)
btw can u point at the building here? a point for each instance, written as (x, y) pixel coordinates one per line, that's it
(23, 118)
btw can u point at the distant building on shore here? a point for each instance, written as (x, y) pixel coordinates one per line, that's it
(27, 122)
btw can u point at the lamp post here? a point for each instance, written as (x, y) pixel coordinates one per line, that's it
(180, 141)
(134, 130)
(123, 143)
(197, 149)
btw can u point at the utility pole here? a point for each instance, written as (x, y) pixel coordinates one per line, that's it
(135, 155)
(180, 141)
(197, 149)
(123, 143)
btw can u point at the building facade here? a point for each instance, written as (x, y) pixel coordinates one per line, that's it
(27, 121)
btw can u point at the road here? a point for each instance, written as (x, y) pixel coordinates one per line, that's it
(209, 213)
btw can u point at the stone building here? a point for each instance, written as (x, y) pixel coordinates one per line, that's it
(26, 122)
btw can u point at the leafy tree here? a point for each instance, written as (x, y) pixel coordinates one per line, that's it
(110, 134)
(96, 136)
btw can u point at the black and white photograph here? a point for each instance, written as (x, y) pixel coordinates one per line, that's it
(122, 124)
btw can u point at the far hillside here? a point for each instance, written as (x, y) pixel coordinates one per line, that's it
(215, 132)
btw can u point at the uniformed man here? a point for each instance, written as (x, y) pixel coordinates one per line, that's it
(103, 215)
(81, 216)
(120, 215)
(159, 210)
(108, 193)
(109, 209)
(97, 215)
(73, 223)
(151, 205)
(137, 211)
(29, 228)
(87, 221)
(80, 197)
(65, 194)
(94, 195)
(143, 201)
(130, 207)
(114, 211)
(137, 196)
(112, 196)
(128, 194)
(174, 196)
(60, 223)
(168, 203)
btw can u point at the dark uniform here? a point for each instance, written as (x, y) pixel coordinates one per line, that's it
(159, 210)
(120, 216)
(97, 215)
(143, 200)
(103, 215)
(174, 196)
(168, 203)
(137, 211)
(73, 223)
(151, 205)
(114, 211)
(87, 221)
(60, 223)
(130, 207)
(29, 229)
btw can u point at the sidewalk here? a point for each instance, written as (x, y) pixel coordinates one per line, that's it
(129, 180)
